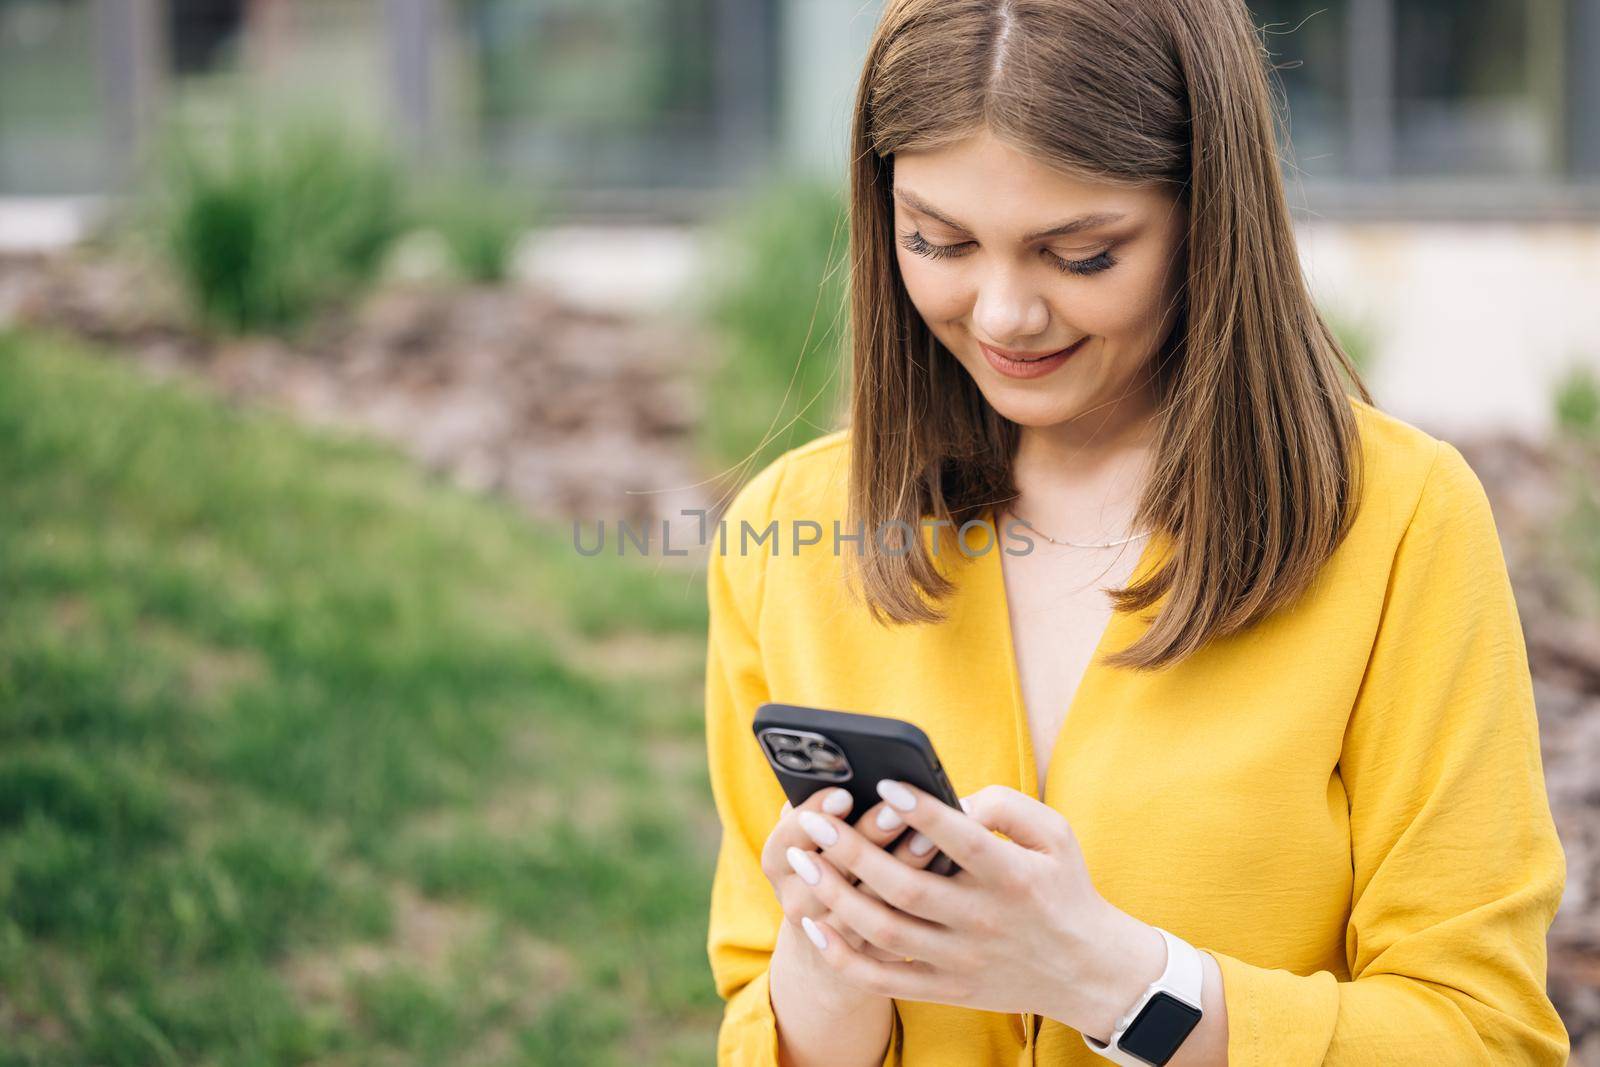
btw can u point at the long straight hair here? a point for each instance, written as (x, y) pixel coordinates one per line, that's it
(1256, 466)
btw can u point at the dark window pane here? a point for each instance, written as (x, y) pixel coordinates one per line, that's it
(1306, 39)
(1468, 94)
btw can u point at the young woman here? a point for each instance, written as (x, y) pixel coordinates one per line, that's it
(1224, 661)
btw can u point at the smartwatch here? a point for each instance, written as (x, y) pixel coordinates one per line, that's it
(1163, 1016)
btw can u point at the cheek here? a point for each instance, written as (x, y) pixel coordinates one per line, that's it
(1124, 305)
(934, 290)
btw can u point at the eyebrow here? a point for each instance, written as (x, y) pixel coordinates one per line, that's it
(1060, 229)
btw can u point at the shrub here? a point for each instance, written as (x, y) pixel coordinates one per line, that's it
(777, 285)
(480, 222)
(1577, 403)
(276, 220)
(1357, 334)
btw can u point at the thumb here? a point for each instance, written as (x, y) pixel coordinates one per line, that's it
(1029, 822)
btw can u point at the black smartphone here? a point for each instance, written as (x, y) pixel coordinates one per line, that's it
(812, 748)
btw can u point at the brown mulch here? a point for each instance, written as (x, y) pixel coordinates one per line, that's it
(575, 414)
(1529, 488)
(571, 413)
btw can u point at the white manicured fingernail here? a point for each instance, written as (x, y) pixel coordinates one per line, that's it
(818, 829)
(814, 932)
(897, 794)
(837, 802)
(888, 819)
(802, 865)
(786, 809)
(921, 844)
(966, 805)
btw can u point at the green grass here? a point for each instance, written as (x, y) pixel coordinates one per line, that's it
(307, 759)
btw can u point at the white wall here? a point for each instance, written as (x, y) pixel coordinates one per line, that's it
(1475, 321)
(824, 46)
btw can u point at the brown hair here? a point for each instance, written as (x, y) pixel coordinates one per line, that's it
(1257, 456)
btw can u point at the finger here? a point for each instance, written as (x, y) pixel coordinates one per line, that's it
(913, 891)
(878, 918)
(798, 901)
(880, 824)
(855, 940)
(907, 980)
(1026, 820)
(788, 834)
(955, 833)
(916, 849)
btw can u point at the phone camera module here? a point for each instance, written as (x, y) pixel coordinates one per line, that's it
(806, 753)
(825, 757)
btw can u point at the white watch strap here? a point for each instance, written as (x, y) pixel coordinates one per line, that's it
(1183, 977)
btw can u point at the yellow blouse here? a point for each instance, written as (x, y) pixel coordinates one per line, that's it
(1345, 805)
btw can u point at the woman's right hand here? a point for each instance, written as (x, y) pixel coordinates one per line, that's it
(795, 894)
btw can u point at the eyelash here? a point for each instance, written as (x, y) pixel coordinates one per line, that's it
(916, 243)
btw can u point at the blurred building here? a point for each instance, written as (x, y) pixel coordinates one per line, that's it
(1445, 160)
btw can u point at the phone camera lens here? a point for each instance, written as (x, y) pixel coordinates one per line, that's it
(824, 757)
(785, 741)
(793, 760)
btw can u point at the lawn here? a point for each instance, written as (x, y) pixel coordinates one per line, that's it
(306, 758)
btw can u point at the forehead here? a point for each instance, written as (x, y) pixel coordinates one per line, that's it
(985, 183)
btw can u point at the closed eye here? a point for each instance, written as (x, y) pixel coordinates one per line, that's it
(915, 243)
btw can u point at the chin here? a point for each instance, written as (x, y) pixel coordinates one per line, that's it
(1035, 411)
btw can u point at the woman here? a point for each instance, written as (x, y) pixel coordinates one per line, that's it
(1229, 658)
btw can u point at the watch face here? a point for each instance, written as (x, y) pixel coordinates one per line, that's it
(1159, 1028)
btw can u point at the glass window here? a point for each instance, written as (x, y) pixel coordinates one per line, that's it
(52, 125)
(1468, 100)
(1306, 42)
(606, 92)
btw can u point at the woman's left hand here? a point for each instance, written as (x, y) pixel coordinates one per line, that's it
(1020, 928)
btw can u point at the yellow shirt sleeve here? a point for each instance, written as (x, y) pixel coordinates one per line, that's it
(1457, 867)
(745, 914)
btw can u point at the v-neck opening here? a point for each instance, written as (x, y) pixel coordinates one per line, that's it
(1019, 710)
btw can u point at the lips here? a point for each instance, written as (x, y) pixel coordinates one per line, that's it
(1032, 357)
(1028, 365)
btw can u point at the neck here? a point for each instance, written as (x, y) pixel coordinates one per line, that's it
(1082, 478)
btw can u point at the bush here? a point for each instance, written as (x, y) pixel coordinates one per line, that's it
(479, 221)
(276, 221)
(1357, 334)
(1577, 403)
(778, 300)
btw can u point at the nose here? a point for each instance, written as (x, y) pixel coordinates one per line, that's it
(1009, 310)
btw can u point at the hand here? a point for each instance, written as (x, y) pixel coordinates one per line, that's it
(788, 871)
(1020, 928)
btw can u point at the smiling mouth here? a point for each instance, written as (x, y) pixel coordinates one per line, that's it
(1034, 357)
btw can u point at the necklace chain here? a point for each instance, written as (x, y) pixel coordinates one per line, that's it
(1075, 544)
